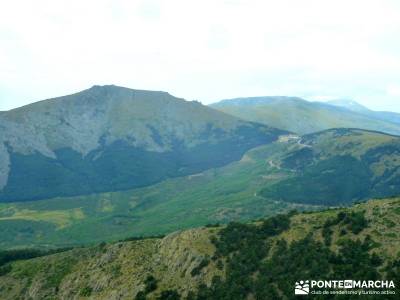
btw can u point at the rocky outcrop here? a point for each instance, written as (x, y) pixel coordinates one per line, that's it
(115, 271)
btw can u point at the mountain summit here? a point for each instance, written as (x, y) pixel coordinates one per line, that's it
(349, 104)
(111, 138)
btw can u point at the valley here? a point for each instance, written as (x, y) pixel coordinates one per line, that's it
(275, 178)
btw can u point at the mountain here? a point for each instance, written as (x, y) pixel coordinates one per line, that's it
(298, 115)
(386, 116)
(259, 260)
(348, 104)
(110, 138)
(331, 168)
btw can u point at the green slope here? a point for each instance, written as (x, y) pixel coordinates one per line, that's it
(261, 260)
(301, 116)
(335, 167)
(339, 166)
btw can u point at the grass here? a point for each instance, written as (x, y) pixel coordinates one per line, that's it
(360, 142)
(60, 218)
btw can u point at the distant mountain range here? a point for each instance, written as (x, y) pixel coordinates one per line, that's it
(380, 115)
(301, 116)
(110, 138)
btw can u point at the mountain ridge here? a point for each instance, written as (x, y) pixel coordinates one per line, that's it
(81, 134)
(256, 100)
(349, 104)
(301, 116)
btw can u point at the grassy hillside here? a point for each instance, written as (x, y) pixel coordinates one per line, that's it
(301, 116)
(331, 168)
(261, 260)
(338, 167)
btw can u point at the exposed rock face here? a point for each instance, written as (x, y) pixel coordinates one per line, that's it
(19, 138)
(104, 114)
(4, 165)
(116, 271)
(108, 138)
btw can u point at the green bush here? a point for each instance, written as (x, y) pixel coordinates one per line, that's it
(5, 269)
(275, 225)
(196, 270)
(327, 235)
(86, 291)
(169, 295)
(150, 284)
(140, 296)
(356, 221)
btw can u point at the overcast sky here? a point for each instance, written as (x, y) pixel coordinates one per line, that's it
(203, 50)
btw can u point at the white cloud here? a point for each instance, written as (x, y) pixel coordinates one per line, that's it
(203, 50)
(393, 90)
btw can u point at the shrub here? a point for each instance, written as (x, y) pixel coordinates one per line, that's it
(275, 225)
(86, 291)
(169, 295)
(196, 270)
(140, 296)
(356, 221)
(5, 269)
(150, 284)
